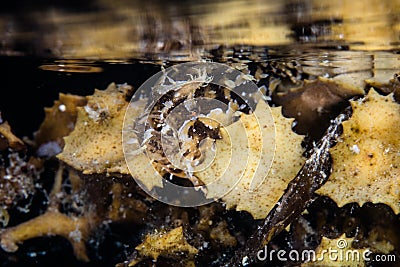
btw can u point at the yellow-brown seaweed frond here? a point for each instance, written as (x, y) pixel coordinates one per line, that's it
(95, 145)
(76, 230)
(59, 121)
(287, 149)
(8, 138)
(366, 161)
(171, 244)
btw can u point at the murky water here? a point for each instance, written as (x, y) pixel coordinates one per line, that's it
(121, 30)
